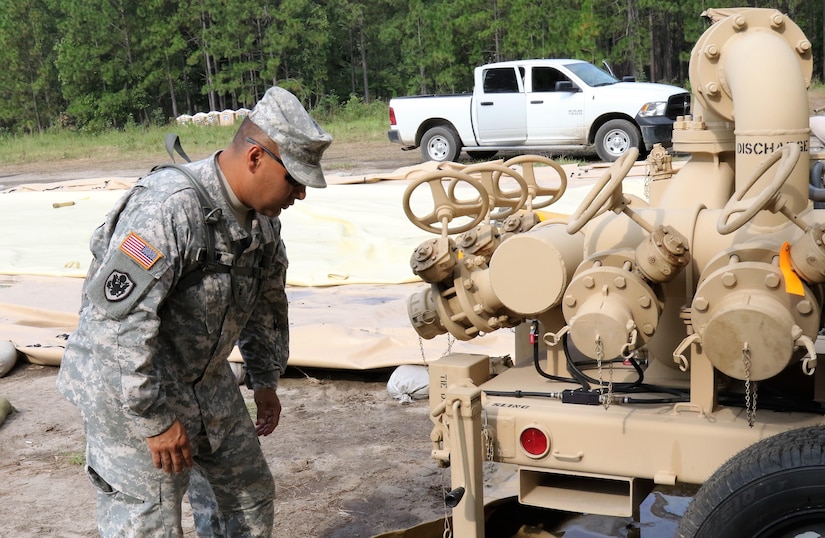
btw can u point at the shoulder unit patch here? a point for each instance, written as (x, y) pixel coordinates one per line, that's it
(118, 286)
(139, 250)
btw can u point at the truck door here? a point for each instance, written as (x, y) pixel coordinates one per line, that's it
(500, 109)
(555, 108)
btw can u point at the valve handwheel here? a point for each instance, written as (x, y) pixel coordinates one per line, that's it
(608, 189)
(528, 163)
(490, 178)
(745, 209)
(447, 208)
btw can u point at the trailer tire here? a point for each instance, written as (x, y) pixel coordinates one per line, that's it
(773, 488)
(615, 137)
(440, 144)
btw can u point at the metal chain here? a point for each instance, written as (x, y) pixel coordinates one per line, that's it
(599, 358)
(450, 341)
(487, 437)
(448, 531)
(750, 398)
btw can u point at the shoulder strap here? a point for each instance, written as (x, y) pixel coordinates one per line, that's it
(213, 217)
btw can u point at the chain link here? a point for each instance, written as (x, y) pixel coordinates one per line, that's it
(750, 390)
(487, 438)
(606, 400)
(450, 341)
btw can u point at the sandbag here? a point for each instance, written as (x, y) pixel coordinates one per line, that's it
(6, 409)
(409, 382)
(8, 357)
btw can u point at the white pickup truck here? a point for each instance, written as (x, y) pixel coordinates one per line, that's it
(539, 105)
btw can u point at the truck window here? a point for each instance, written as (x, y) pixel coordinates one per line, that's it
(545, 78)
(500, 80)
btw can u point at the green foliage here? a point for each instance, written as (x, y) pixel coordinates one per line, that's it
(95, 66)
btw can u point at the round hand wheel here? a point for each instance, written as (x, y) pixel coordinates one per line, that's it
(608, 189)
(746, 209)
(490, 177)
(447, 208)
(528, 163)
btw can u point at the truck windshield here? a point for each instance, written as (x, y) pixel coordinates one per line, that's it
(591, 75)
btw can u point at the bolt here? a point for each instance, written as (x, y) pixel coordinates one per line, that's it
(648, 329)
(423, 252)
(620, 282)
(588, 282)
(772, 280)
(478, 309)
(811, 259)
(804, 307)
(803, 46)
(728, 280)
(777, 21)
(493, 323)
(740, 23)
(570, 300)
(644, 301)
(700, 304)
(468, 283)
(711, 88)
(711, 51)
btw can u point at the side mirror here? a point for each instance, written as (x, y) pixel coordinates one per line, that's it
(565, 86)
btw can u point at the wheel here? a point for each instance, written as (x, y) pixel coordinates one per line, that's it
(774, 488)
(739, 210)
(490, 176)
(447, 207)
(528, 163)
(608, 190)
(482, 155)
(616, 137)
(440, 144)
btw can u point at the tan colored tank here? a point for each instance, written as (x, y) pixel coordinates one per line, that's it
(656, 342)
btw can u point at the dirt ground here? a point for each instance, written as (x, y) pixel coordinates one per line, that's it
(348, 459)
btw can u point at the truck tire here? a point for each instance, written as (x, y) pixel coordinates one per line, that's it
(440, 144)
(773, 488)
(616, 137)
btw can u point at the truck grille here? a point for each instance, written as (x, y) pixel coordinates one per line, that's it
(678, 105)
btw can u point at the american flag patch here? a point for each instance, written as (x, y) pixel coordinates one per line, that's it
(140, 251)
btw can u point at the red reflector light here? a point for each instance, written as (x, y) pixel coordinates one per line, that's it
(534, 441)
(392, 116)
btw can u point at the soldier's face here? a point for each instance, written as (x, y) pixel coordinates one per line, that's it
(274, 189)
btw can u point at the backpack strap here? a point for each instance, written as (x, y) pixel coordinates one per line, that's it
(207, 261)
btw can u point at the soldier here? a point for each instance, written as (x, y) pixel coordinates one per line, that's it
(188, 263)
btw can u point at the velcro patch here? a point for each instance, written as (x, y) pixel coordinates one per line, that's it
(118, 286)
(139, 250)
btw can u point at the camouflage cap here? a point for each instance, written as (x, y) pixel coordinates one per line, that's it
(300, 139)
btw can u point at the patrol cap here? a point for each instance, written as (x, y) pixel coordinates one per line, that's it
(300, 139)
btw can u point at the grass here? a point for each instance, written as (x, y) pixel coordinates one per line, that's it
(348, 123)
(76, 458)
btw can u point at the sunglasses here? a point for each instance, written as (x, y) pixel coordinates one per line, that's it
(289, 179)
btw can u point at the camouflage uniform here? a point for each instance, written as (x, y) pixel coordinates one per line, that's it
(151, 346)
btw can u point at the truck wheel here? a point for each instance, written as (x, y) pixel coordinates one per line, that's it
(615, 137)
(773, 488)
(440, 144)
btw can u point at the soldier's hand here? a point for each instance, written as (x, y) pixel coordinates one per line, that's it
(171, 450)
(269, 410)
